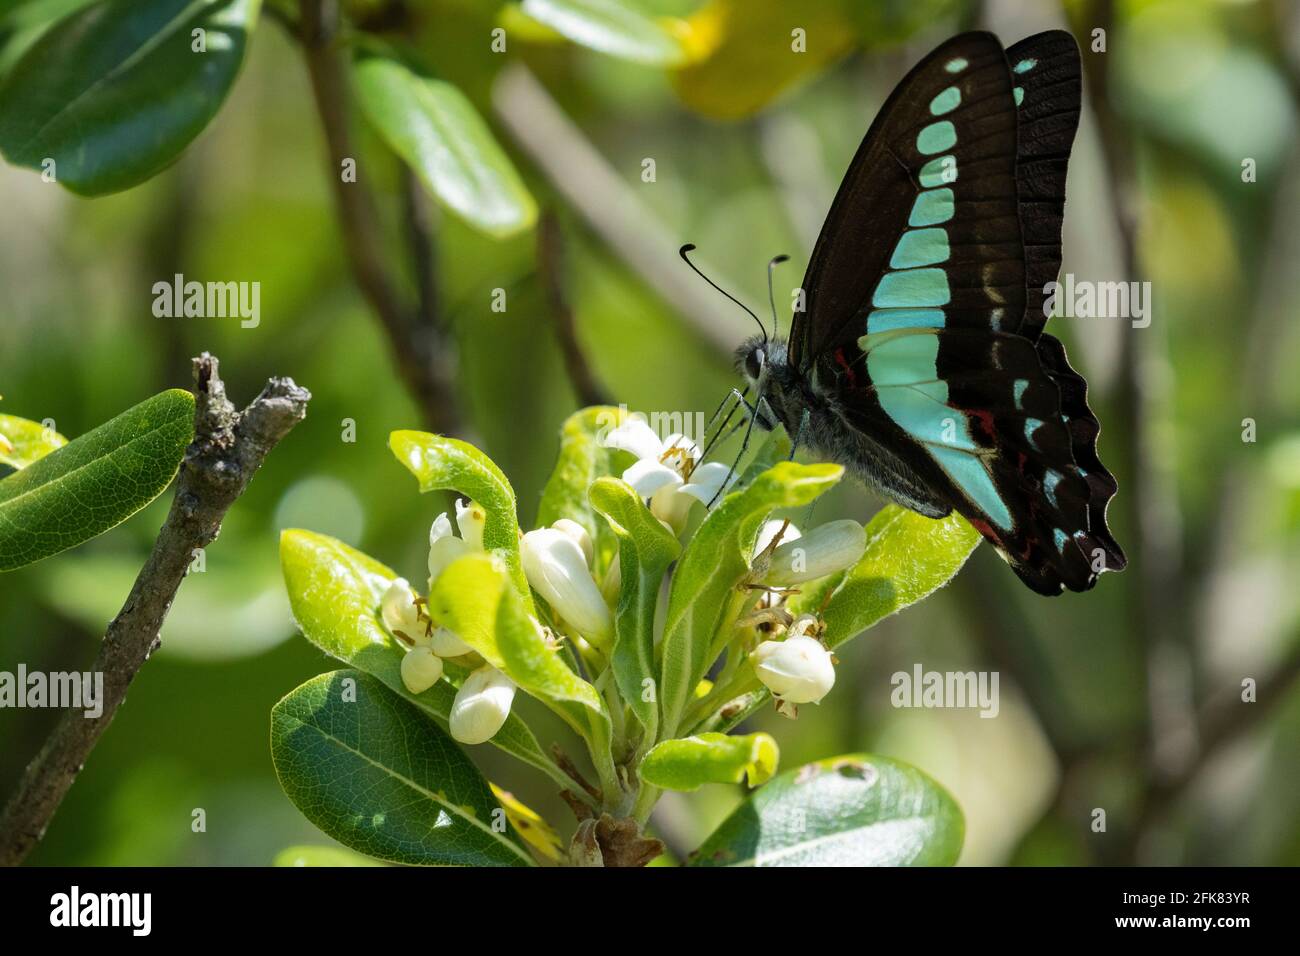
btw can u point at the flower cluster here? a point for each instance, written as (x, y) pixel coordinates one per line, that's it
(559, 564)
(484, 699)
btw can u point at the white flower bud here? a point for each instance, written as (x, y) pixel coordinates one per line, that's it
(579, 534)
(401, 614)
(482, 705)
(470, 519)
(421, 669)
(444, 547)
(823, 550)
(797, 670)
(557, 570)
(445, 643)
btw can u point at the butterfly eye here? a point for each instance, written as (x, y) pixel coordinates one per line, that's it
(754, 363)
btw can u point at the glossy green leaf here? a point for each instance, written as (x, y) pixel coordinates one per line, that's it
(114, 92)
(475, 600)
(581, 461)
(646, 549)
(705, 593)
(690, 762)
(855, 810)
(321, 856)
(94, 482)
(908, 557)
(23, 442)
(439, 134)
(615, 27)
(448, 464)
(372, 771)
(334, 591)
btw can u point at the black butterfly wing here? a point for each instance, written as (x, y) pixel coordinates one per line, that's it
(1048, 86)
(935, 177)
(917, 297)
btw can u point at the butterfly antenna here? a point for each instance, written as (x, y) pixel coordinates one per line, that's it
(771, 295)
(690, 247)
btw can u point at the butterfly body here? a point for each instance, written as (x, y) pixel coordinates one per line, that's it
(920, 361)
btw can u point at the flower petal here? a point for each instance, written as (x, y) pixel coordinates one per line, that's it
(647, 476)
(636, 436)
(707, 480)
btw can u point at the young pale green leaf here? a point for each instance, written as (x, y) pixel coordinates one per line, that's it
(439, 134)
(448, 464)
(908, 557)
(95, 482)
(373, 772)
(475, 600)
(581, 461)
(308, 855)
(334, 591)
(646, 549)
(114, 92)
(615, 27)
(23, 442)
(705, 592)
(855, 810)
(690, 762)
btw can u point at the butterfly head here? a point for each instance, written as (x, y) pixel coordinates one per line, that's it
(764, 365)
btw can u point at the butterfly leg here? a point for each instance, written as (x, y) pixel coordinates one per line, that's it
(738, 397)
(804, 418)
(744, 445)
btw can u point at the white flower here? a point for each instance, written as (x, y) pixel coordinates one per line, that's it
(421, 669)
(557, 569)
(579, 534)
(445, 643)
(445, 547)
(824, 550)
(482, 705)
(402, 615)
(797, 670)
(470, 519)
(667, 471)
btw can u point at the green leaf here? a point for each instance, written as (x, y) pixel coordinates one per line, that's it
(581, 461)
(615, 27)
(334, 591)
(95, 482)
(690, 762)
(646, 549)
(908, 558)
(474, 599)
(114, 92)
(705, 597)
(321, 856)
(448, 464)
(439, 134)
(23, 442)
(373, 772)
(855, 810)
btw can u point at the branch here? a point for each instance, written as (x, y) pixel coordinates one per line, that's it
(550, 266)
(227, 450)
(416, 344)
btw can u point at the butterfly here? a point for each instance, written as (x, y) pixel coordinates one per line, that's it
(919, 360)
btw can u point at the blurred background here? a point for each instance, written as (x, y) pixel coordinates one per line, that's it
(1126, 699)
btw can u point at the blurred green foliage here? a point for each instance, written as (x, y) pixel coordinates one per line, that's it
(1200, 86)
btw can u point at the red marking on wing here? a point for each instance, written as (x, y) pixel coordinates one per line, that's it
(843, 363)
